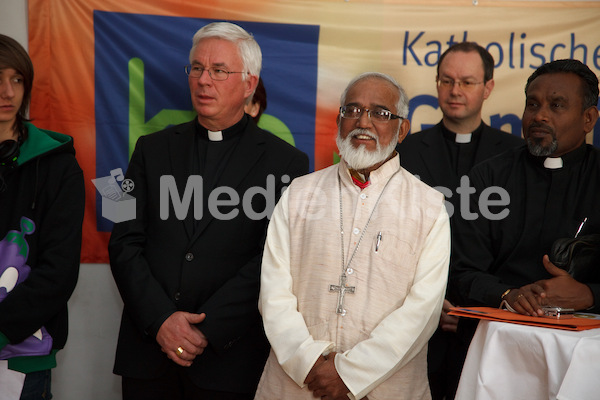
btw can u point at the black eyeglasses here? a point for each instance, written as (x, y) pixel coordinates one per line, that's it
(217, 74)
(378, 114)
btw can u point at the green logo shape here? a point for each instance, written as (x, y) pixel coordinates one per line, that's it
(276, 127)
(137, 105)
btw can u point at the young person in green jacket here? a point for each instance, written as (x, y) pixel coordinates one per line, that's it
(41, 213)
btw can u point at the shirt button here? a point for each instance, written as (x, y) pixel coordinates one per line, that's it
(363, 196)
(356, 231)
(177, 296)
(349, 271)
(189, 257)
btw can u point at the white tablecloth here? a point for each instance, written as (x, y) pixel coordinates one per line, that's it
(511, 361)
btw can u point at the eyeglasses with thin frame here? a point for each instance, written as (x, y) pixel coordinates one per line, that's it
(378, 114)
(215, 73)
(447, 83)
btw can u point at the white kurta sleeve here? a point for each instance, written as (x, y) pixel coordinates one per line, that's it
(404, 332)
(295, 348)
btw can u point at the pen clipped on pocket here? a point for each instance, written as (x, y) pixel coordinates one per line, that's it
(378, 243)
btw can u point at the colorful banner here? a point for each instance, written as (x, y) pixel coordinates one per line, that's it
(109, 71)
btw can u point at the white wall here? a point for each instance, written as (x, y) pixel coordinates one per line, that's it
(85, 365)
(84, 368)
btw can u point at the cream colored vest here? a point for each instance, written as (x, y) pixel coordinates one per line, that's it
(381, 270)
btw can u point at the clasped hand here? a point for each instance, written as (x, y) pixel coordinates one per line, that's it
(559, 291)
(179, 332)
(325, 382)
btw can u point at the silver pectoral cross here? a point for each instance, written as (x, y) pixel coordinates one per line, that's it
(342, 288)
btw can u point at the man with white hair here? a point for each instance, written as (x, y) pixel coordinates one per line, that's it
(355, 264)
(190, 327)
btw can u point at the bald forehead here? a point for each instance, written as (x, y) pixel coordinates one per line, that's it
(370, 91)
(368, 80)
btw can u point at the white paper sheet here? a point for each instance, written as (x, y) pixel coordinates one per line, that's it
(11, 382)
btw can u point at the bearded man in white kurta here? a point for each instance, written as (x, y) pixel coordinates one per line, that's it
(355, 264)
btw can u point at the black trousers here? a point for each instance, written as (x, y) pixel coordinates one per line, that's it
(174, 385)
(446, 356)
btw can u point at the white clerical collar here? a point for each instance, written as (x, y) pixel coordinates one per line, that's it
(215, 136)
(553, 162)
(463, 137)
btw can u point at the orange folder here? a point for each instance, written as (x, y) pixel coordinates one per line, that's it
(579, 322)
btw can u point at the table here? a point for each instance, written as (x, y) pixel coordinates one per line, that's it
(511, 361)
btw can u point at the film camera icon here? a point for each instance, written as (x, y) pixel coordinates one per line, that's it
(117, 204)
(113, 190)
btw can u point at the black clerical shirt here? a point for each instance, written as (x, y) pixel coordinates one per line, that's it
(462, 155)
(213, 155)
(491, 256)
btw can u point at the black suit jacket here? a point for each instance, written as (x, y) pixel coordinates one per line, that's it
(425, 154)
(167, 265)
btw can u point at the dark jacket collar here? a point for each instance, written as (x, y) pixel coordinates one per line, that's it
(228, 134)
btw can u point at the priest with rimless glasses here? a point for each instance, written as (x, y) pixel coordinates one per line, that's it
(355, 264)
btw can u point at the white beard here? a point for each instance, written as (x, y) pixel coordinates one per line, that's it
(360, 158)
